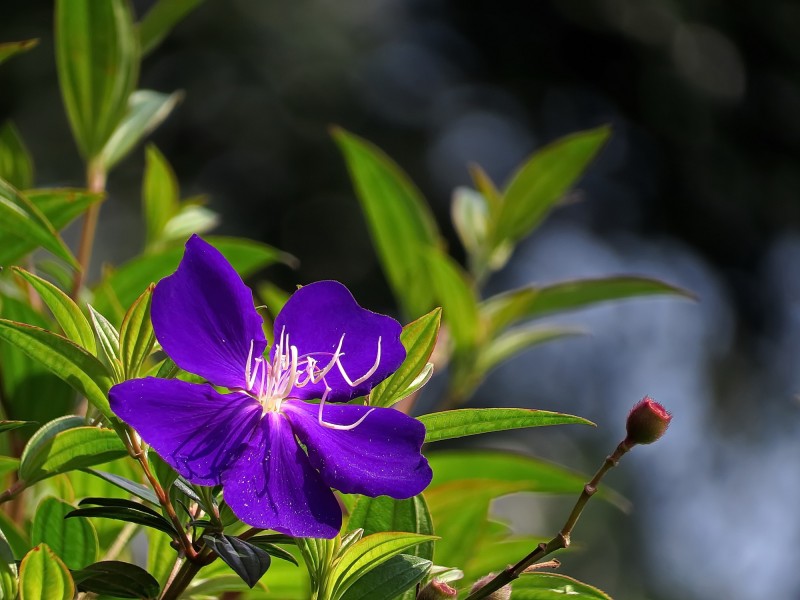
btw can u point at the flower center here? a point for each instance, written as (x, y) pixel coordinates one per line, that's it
(271, 382)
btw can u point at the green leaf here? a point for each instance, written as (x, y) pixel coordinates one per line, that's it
(62, 445)
(43, 575)
(552, 586)
(419, 339)
(68, 361)
(160, 555)
(123, 510)
(59, 206)
(109, 341)
(8, 570)
(532, 302)
(495, 551)
(400, 222)
(469, 212)
(115, 578)
(67, 314)
(146, 111)
(97, 54)
(450, 424)
(9, 49)
(124, 285)
(510, 343)
(137, 489)
(191, 218)
(9, 426)
(74, 540)
(19, 217)
(542, 181)
(160, 19)
(264, 542)
(367, 554)
(160, 194)
(16, 166)
(388, 581)
(136, 335)
(17, 538)
(248, 561)
(453, 291)
(375, 515)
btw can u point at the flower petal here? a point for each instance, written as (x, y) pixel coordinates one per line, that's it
(272, 485)
(317, 316)
(204, 318)
(381, 456)
(195, 429)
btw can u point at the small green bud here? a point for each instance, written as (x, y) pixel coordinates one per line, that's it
(437, 590)
(647, 422)
(504, 593)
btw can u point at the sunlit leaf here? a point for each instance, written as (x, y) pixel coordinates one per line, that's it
(553, 586)
(9, 49)
(97, 55)
(192, 218)
(390, 579)
(542, 181)
(59, 206)
(510, 343)
(74, 540)
(67, 314)
(146, 111)
(118, 579)
(459, 302)
(21, 218)
(451, 424)
(16, 166)
(419, 339)
(399, 220)
(71, 363)
(374, 515)
(160, 20)
(160, 194)
(137, 489)
(42, 574)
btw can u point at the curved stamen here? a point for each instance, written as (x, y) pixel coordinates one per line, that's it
(335, 426)
(366, 375)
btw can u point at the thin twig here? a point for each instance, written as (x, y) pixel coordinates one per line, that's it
(96, 183)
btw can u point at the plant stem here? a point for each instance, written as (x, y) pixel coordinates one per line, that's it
(96, 183)
(176, 586)
(17, 487)
(562, 539)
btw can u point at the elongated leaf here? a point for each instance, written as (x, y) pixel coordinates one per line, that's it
(51, 453)
(8, 464)
(552, 586)
(20, 217)
(459, 302)
(270, 548)
(115, 578)
(74, 540)
(97, 54)
(16, 537)
(400, 222)
(123, 510)
(146, 111)
(136, 337)
(42, 574)
(137, 489)
(9, 49)
(160, 555)
(469, 212)
(191, 218)
(71, 363)
(16, 166)
(160, 20)
(419, 339)
(531, 302)
(510, 343)
(375, 515)
(64, 309)
(388, 581)
(248, 561)
(11, 425)
(450, 424)
(543, 180)
(8, 570)
(160, 194)
(124, 285)
(369, 553)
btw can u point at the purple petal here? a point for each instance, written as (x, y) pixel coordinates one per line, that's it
(204, 318)
(317, 316)
(381, 456)
(272, 485)
(195, 429)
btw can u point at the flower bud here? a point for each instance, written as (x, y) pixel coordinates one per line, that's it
(647, 422)
(437, 590)
(504, 593)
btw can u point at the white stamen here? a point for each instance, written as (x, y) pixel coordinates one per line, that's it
(366, 375)
(324, 423)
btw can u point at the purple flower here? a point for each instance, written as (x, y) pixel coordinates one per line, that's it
(326, 347)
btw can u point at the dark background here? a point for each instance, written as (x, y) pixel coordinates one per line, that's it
(699, 184)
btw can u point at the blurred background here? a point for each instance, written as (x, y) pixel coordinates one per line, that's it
(698, 186)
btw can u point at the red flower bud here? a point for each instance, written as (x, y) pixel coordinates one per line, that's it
(647, 422)
(504, 593)
(437, 590)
